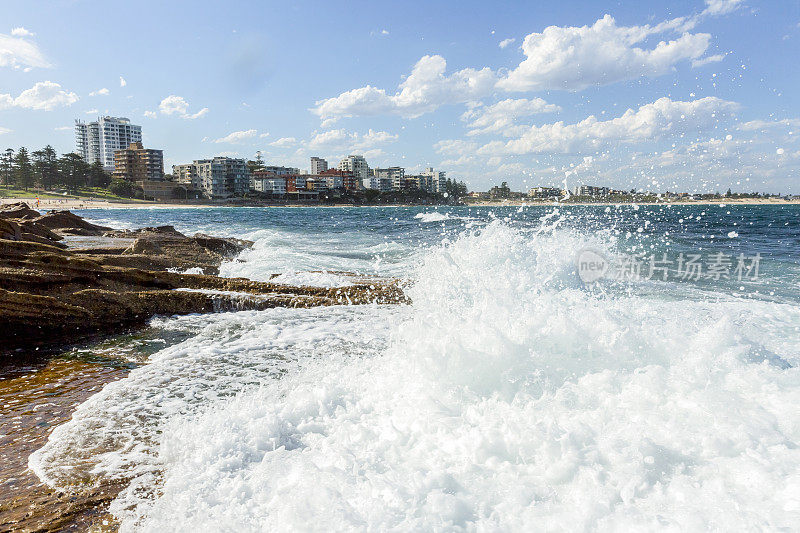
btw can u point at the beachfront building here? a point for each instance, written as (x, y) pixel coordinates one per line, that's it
(357, 165)
(137, 163)
(389, 179)
(267, 182)
(546, 192)
(318, 166)
(98, 140)
(433, 180)
(186, 175)
(589, 190)
(220, 177)
(280, 171)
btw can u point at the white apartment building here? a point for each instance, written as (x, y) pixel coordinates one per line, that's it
(276, 186)
(220, 177)
(281, 171)
(433, 180)
(98, 140)
(394, 175)
(357, 165)
(318, 166)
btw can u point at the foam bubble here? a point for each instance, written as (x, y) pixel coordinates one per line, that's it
(507, 396)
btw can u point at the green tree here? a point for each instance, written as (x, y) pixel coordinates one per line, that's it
(98, 177)
(122, 188)
(23, 169)
(50, 176)
(7, 167)
(74, 171)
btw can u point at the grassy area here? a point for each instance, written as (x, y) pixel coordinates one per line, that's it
(83, 194)
(30, 193)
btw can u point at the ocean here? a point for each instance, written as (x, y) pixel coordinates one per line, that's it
(559, 368)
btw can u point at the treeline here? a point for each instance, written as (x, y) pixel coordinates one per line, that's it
(43, 169)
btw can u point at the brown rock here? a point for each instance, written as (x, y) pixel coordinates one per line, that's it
(69, 223)
(10, 230)
(18, 210)
(51, 295)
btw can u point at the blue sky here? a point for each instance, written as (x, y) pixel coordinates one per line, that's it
(698, 95)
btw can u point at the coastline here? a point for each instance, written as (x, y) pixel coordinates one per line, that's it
(74, 203)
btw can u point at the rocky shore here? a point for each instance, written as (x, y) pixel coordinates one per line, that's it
(63, 279)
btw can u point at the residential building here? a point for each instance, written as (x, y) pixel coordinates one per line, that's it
(318, 166)
(266, 182)
(546, 192)
(98, 140)
(137, 163)
(186, 175)
(589, 190)
(220, 177)
(280, 171)
(433, 181)
(357, 165)
(394, 175)
(340, 179)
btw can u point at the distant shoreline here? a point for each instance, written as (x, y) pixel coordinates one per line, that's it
(76, 203)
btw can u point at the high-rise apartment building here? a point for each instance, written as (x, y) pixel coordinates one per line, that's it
(137, 163)
(357, 165)
(318, 166)
(98, 140)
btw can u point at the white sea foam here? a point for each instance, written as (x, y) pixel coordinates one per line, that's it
(508, 396)
(438, 216)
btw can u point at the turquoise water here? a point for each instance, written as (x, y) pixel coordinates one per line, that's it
(512, 394)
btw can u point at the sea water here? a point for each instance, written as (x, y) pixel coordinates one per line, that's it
(512, 394)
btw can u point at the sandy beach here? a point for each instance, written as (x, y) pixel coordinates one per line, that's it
(78, 203)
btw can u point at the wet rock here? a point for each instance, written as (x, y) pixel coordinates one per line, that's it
(70, 224)
(51, 295)
(10, 230)
(18, 210)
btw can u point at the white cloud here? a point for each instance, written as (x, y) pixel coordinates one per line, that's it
(559, 58)
(706, 60)
(18, 52)
(500, 117)
(264, 135)
(64, 128)
(384, 32)
(424, 90)
(150, 114)
(340, 139)
(455, 147)
(44, 95)
(506, 42)
(227, 153)
(237, 136)
(177, 105)
(100, 92)
(721, 7)
(574, 58)
(3, 130)
(284, 142)
(650, 121)
(372, 138)
(21, 32)
(754, 125)
(122, 82)
(92, 112)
